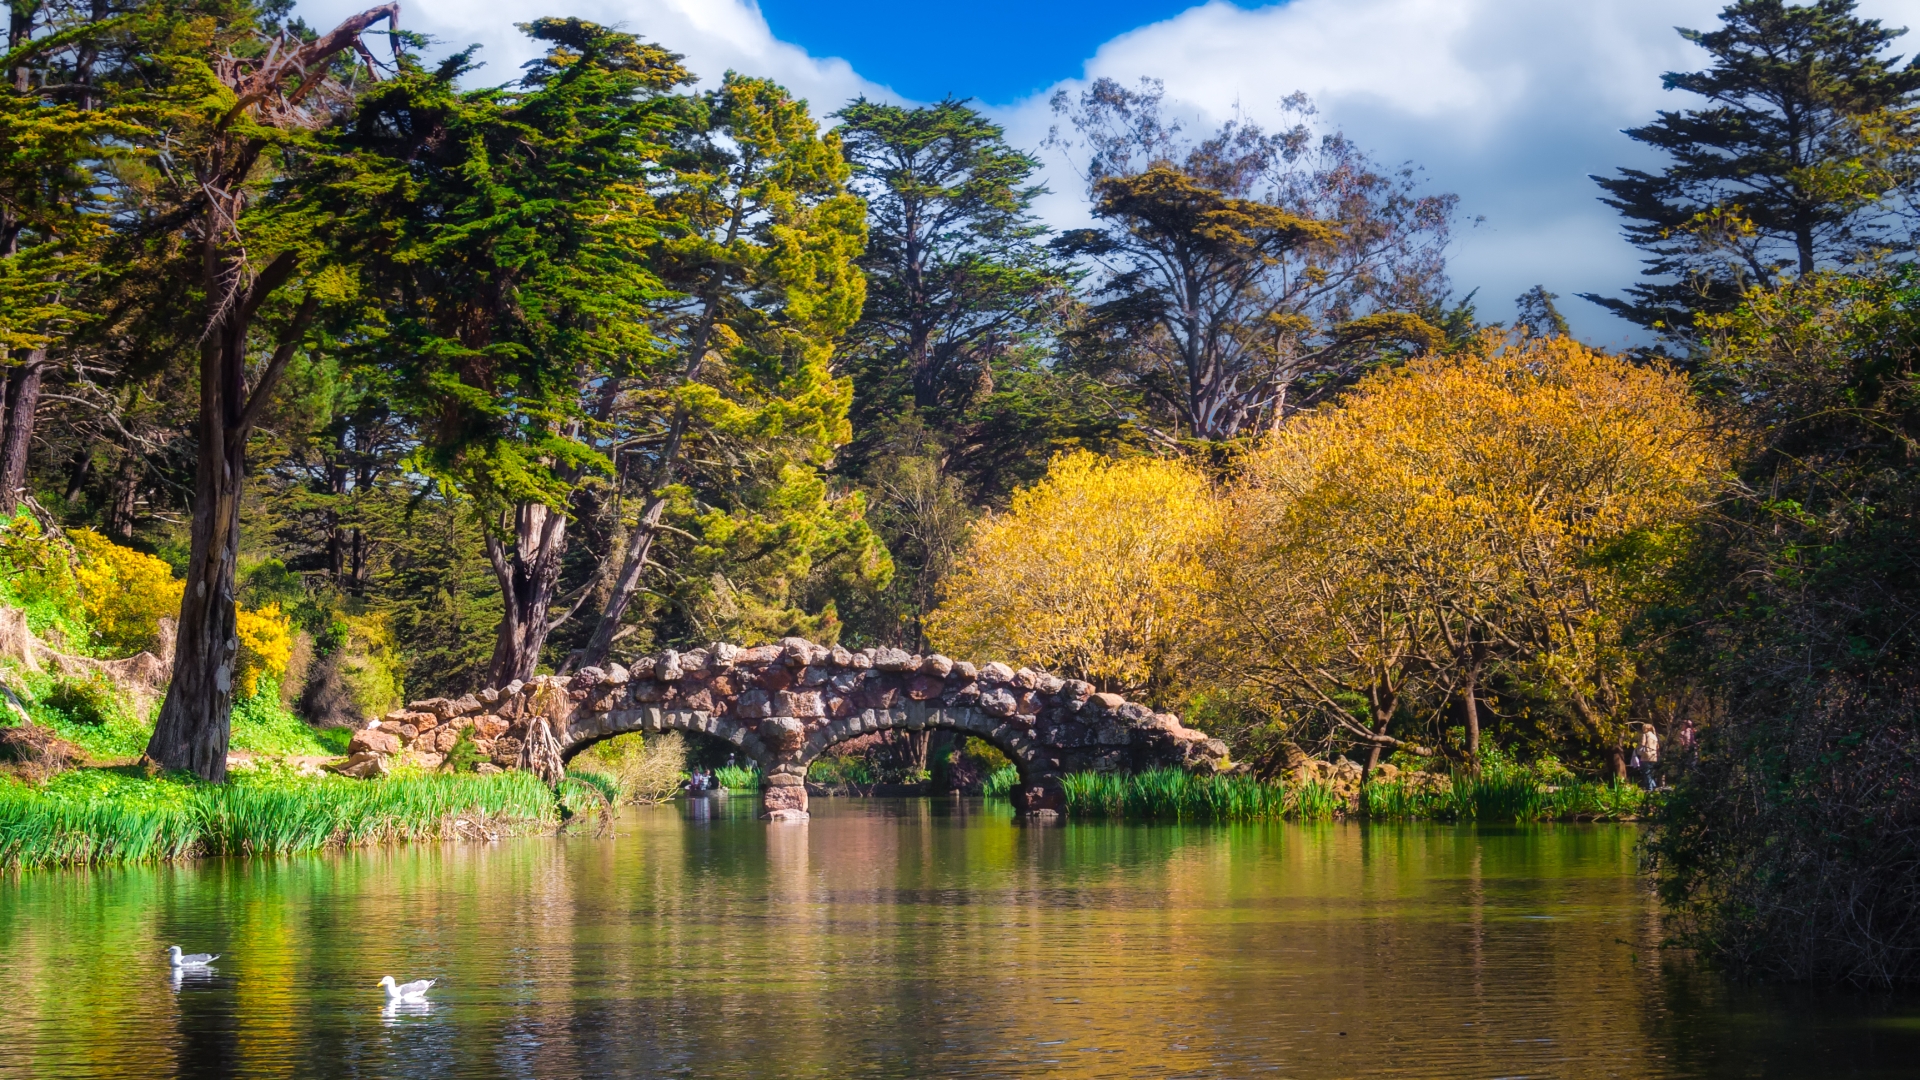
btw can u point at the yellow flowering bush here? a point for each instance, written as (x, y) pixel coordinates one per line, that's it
(266, 646)
(124, 592)
(1094, 572)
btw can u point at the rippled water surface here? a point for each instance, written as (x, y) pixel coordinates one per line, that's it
(909, 939)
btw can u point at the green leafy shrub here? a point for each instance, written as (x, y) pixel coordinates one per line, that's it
(834, 769)
(92, 700)
(262, 724)
(464, 755)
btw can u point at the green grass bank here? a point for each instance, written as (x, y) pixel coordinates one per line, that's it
(92, 816)
(1175, 795)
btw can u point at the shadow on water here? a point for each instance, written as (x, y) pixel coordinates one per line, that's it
(908, 938)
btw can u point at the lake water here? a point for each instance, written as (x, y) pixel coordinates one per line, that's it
(909, 938)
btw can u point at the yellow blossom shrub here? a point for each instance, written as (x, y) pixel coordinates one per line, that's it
(124, 592)
(266, 645)
(1510, 509)
(1094, 572)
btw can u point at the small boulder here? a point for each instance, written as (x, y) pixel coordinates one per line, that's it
(362, 766)
(996, 674)
(373, 741)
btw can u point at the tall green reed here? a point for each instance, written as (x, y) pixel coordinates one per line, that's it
(80, 819)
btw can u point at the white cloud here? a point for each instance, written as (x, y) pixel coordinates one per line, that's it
(714, 35)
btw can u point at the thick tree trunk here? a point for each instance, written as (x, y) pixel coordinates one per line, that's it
(528, 575)
(22, 401)
(193, 728)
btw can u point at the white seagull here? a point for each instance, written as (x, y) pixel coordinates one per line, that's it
(189, 960)
(413, 991)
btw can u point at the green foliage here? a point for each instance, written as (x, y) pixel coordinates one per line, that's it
(645, 770)
(1000, 781)
(464, 755)
(95, 718)
(739, 777)
(37, 576)
(1245, 271)
(836, 769)
(92, 700)
(1788, 848)
(588, 791)
(93, 816)
(1509, 795)
(262, 724)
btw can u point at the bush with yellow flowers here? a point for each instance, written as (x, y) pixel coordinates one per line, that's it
(125, 593)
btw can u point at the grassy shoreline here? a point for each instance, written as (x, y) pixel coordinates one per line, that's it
(1176, 795)
(93, 816)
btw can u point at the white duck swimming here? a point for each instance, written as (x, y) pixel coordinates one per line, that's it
(189, 960)
(413, 991)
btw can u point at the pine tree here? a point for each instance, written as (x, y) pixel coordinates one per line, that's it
(1801, 159)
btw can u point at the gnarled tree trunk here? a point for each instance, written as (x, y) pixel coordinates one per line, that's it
(528, 575)
(193, 728)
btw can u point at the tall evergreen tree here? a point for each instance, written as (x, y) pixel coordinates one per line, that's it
(730, 428)
(953, 268)
(1802, 159)
(235, 108)
(504, 241)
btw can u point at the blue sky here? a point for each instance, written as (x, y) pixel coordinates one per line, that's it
(998, 51)
(1511, 104)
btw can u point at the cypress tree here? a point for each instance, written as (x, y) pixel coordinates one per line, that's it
(1801, 159)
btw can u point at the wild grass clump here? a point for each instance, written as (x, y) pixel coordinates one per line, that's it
(1497, 795)
(646, 770)
(90, 816)
(739, 777)
(1174, 794)
(1000, 781)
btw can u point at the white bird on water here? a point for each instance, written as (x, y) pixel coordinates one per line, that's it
(413, 991)
(189, 960)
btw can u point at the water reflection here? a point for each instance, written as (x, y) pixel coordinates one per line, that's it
(395, 1011)
(184, 976)
(907, 939)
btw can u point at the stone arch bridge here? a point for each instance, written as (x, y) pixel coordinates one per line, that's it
(784, 705)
